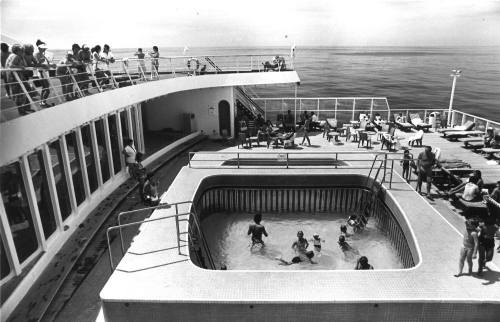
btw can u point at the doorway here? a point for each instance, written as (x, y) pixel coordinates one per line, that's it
(224, 119)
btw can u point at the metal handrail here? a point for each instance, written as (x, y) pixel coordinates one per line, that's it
(177, 214)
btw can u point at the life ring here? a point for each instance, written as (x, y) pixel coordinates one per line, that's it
(191, 63)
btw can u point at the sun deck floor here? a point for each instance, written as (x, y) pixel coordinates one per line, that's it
(144, 277)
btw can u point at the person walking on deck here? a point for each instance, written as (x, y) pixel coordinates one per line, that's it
(425, 162)
(307, 124)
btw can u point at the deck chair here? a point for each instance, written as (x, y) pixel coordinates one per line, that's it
(419, 123)
(364, 137)
(402, 124)
(490, 151)
(469, 125)
(416, 139)
(455, 135)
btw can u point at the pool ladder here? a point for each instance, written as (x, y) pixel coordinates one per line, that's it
(194, 233)
(373, 187)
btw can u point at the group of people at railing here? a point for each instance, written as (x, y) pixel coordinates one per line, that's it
(81, 69)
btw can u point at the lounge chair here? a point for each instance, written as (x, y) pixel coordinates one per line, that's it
(275, 141)
(451, 169)
(490, 151)
(455, 135)
(471, 140)
(469, 125)
(419, 123)
(416, 139)
(402, 124)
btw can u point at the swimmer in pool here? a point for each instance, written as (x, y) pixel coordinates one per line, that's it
(300, 247)
(344, 246)
(316, 240)
(343, 231)
(256, 230)
(357, 222)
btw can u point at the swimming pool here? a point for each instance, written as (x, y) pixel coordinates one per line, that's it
(312, 204)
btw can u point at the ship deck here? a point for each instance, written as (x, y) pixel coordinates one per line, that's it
(148, 282)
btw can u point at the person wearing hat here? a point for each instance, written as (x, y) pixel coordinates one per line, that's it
(43, 62)
(469, 247)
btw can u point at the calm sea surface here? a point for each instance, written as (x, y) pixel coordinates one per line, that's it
(410, 77)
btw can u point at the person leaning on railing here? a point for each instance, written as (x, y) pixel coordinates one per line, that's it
(4, 55)
(84, 58)
(16, 61)
(63, 73)
(43, 64)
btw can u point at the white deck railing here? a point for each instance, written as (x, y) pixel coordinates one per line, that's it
(31, 88)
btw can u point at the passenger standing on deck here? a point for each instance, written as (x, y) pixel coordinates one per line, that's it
(43, 62)
(155, 62)
(4, 55)
(470, 246)
(405, 163)
(106, 58)
(425, 162)
(486, 243)
(16, 61)
(257, 230)
(129, 152)
(307, 124)
(141, 65)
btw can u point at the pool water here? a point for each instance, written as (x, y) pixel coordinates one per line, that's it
(226, 235)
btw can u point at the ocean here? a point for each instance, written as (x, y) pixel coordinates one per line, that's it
(410, 77)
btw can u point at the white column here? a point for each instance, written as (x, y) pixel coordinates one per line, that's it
(83, 162)
(8, 241)
(107, 137)
(51, 183)
(95, 149)
(120, 137)
(32, 202)
(68, 173)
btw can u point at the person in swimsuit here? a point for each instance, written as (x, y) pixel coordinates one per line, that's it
(316, 240)
(256, 230)
(470, 246)
(300, 247)
(425, 161)
(486, 240)
(363, 264)
(343, 231)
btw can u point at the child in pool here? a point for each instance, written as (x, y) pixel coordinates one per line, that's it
(343, 231)
(316, 241)
(357, 222)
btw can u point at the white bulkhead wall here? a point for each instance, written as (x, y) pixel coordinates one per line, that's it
(168, 111)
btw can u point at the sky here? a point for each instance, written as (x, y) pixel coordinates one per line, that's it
(213, 23)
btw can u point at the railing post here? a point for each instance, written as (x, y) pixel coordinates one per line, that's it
(317, 108)
(178, 232)
(93, 75)
(25, 91)
(238, 158)
(464, 117)
(453, 116)
(52, 87)
(75, 83)
(336, 160)
(125, 68)
(392, 171)
(287, 160)
(336, 102)
(113, 78)
(487, 126)
(353, 108)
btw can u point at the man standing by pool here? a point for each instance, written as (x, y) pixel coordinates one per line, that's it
(256, 230)
(425, 161)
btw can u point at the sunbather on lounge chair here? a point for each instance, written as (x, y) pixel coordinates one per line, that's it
(401, 122)
(419, 123)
